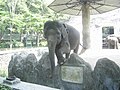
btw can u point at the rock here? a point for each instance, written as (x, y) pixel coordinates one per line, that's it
(44, 71)
(106, 75)
(26, 67)
(15, 67)
(76, 61)
(22, 66)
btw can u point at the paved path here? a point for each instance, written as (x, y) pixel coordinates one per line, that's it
(27, 86)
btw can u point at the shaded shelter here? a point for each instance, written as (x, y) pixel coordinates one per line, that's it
(84, 8)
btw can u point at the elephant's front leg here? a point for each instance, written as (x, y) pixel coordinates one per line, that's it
(60, 57)
(67, 55)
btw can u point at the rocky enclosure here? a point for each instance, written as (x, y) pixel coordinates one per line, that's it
(29, 68)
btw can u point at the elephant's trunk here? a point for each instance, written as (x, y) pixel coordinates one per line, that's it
(51, 47)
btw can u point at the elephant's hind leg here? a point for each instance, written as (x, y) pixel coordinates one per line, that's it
(76, 49)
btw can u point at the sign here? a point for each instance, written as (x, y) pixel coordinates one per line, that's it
(72, 74)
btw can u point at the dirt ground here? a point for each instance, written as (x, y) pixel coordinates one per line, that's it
(90, 56)
(4, 61)
(5, 56)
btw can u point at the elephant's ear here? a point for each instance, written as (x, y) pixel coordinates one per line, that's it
(44, 35)
(64, 31)
(44, 31)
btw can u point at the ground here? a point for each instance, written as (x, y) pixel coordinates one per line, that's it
(91, 56)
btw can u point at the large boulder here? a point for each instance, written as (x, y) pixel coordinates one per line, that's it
(43, 69)
(25, 66)
(22, 65)
(106, 75)
(75, 61)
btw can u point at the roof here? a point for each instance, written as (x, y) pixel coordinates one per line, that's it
(74, 7)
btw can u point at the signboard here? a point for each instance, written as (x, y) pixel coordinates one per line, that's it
(72, 74)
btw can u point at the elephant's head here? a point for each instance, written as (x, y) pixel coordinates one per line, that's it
(54, 32)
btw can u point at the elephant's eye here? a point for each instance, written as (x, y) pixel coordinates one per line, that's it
(58, 33)
(58, 36)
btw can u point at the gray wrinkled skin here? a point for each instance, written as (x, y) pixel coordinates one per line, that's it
(61, 38)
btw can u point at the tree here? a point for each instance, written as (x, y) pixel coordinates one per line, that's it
(11, 4)
(25, 16)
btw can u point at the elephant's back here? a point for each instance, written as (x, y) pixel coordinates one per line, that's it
(73, 36)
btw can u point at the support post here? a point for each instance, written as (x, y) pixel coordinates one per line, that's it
(86, 25)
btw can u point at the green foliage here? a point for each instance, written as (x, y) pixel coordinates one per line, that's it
(15, 44)
(29, 14)
(4, 44)
(43, 43)
(3, 73)
(3, 87)
(26, 16)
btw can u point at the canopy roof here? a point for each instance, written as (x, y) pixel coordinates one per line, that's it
(74, 7)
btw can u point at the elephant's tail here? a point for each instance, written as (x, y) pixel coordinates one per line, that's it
(82, 46)
(83, 49)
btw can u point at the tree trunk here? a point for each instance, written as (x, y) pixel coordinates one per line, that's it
(37, 40)
(11, 27)
(86, 30)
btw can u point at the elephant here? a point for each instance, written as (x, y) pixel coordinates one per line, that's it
(61, 39)
(112, 42)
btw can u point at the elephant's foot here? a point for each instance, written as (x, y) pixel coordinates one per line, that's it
(62, 62)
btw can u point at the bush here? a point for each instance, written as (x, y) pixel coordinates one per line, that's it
(17, 44)
(43, 43)
(3, 87)
(4, 44)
